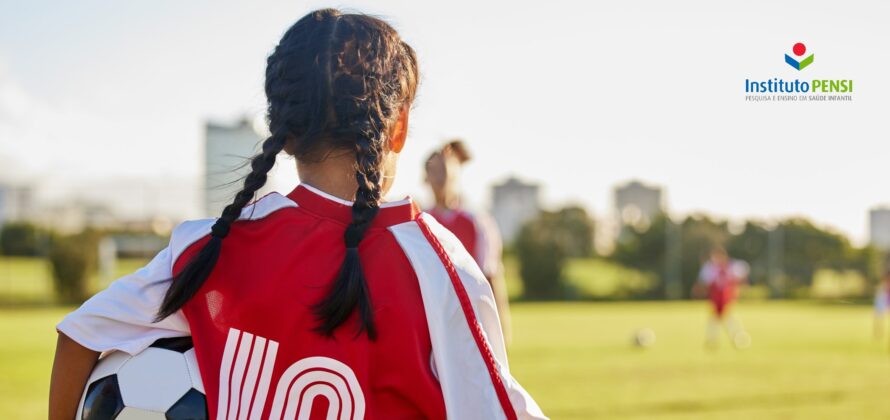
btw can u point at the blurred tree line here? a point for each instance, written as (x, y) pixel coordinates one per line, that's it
(72, 257)
(21, 239)
(543, 246)
(784, 256)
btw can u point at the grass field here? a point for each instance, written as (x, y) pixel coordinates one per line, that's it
(808, 361)
(26, 281)
(589, 278)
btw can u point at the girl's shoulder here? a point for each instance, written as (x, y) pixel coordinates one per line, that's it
(438, 255)
(189, 232)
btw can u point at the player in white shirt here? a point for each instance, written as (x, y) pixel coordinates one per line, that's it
(882, 305)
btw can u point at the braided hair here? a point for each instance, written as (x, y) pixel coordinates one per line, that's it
(335, 82)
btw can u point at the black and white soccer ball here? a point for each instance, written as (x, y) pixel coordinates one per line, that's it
(643, 338)
(162, 382)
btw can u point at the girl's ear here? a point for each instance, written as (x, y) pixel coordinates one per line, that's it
(399, 131)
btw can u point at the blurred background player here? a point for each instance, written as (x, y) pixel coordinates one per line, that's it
(882, 304)
(719, 279)
(475, 230)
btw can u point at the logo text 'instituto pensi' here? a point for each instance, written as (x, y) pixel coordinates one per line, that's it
(791, 90)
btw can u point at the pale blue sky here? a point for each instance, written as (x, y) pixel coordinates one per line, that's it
(577, 97)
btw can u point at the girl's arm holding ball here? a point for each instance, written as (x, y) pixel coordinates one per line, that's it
(71, 369)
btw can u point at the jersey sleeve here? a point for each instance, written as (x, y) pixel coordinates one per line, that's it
(122, 317)
(706, 274)
(468, 345)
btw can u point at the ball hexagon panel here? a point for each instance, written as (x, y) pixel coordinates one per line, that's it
(165, 386)
(192, 406)
(130, 413)
(107, 366)
(102, 400)
(177, 344)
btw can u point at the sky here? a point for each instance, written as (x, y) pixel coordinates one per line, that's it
(108, 99)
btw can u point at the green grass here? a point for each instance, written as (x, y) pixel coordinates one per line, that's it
(25, 280)
(590, 278)
(808, 361)
(26, 353)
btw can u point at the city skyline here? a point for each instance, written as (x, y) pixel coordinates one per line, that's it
(585, 101)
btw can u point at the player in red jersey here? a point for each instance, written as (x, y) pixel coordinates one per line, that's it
(475, 230)
(719, 279)
(326, 302)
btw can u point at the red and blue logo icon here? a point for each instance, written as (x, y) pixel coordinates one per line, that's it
(799, 51)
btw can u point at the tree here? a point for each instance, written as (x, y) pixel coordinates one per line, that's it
(20, 239)
(752, 246)
(646, 248)
(544, 244)
(807, 248)
(578, 230)
(642, 248)
(73, 258)
(795, 249)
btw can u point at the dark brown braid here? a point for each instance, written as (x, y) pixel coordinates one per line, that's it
(189, 280)
(334, 82)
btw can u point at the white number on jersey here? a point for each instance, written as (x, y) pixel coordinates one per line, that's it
(246, 373)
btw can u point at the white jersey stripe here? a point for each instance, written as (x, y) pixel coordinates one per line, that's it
(486, 312)
(225, 371)
(300, 378)
(250, 380)
(466, 382)
(246, 366)
(319, 389)
(244, 350)
(262, 390)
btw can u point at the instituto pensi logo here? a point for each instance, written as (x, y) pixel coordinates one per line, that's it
(817, 87)
(799, 63)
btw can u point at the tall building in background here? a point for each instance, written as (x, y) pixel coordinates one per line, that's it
(637, 204)
(514, 203)
(879, 227)
(226, 150)
(15, 203)
(77, 214)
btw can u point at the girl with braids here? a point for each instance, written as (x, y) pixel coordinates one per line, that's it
(326, 302)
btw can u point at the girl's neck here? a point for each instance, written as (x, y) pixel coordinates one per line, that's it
(447, 200)
(334, 175)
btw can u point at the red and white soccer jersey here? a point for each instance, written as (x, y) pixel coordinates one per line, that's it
(477, 233)
(439, 351)
(722, 281)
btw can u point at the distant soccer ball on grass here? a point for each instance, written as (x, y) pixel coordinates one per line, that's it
(644, 337)
(162, 382)
(741, 340)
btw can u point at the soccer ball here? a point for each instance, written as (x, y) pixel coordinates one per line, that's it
(162, 382)
(643, 337)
